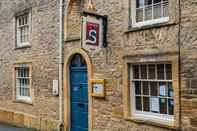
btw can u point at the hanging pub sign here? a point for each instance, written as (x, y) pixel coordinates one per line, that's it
(94, 31)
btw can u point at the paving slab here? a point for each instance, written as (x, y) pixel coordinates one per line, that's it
(4, 127)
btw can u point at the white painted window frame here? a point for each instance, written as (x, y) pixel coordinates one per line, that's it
(18, 96)
(142, 115)
(145, 23)
(18, 34)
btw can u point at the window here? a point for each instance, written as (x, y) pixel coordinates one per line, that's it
(23, 83)
(23, 29)
(147, 12)
(152, 91)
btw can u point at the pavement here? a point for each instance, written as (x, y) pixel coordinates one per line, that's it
(4, 127)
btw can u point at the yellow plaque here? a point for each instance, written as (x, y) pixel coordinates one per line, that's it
(98, 87)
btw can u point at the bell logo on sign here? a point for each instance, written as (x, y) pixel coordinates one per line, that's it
(92, 34)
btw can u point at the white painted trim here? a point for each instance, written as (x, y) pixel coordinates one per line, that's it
(151, 22)
(144, 23)
(23, 44)
(18, 97)
(143, 115)
(24, 98)
(159, 118)
(18, 34)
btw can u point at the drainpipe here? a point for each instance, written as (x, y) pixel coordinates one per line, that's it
(61, 16)
(180, 66)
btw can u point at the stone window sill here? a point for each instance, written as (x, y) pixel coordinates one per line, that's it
(23, 47)
(23, 102)
(170, 126)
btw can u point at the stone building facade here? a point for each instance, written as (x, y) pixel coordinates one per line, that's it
(41, 55)
(168, 42)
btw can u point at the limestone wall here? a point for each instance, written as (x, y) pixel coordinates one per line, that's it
(189, 64)
(42, 55)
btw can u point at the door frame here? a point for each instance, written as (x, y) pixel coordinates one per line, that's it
(66, 91)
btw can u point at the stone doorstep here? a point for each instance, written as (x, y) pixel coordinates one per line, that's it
(26, 120)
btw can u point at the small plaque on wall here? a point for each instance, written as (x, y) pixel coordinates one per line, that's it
(98, 88)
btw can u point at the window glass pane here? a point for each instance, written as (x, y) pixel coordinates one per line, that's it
(22, 91)
(21, 87)
(139, 15)
(162, 89)
(136, 72)
(154, 88)
(148, 12)
(170, 90)
(168, 72)
(27, 33)
(25, 91)
(151, 71)
(156, 1)
(138, 103)
(20, 21)
(157, 10)
(26, 19)
(21, 72)
(138, 88)
(139, 3)
(165, 9)
(171, 106)
(160, 71)
(145, 88)
(154, 104)
(146, 104)
(143, 72)
(148, 2)
(21, 32)
(163, 105)
(24, 72)
(23, 35)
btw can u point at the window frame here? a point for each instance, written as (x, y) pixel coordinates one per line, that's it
(171, 57)
(20, 44)
(16, 96)
(147, 22)
(162, 118)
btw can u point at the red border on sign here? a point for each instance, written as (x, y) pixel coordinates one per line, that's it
(91, 37)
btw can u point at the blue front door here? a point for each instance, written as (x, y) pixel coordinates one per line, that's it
(79, 94)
